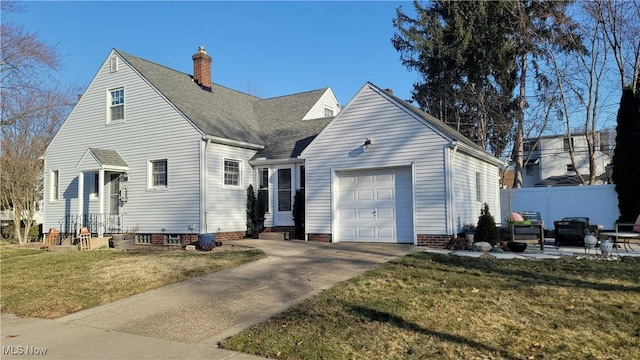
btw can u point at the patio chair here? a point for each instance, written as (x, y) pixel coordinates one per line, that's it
(571, 231)
(627, 233)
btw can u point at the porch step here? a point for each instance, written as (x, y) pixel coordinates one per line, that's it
(63, 248)
(274, 236)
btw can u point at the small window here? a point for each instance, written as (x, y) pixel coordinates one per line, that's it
(529, 170)
(143, 238)
(231, 173)
(93, 194)
(565, 144)
(113, 64)
(328, 112)
(116, 105)
(302, 177)
(55, 185)
(172, 240)
(478, 188)
(570, 167)
(284, 190)
(264, 186)
(159, 173)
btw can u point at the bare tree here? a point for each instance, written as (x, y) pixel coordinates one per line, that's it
(619, 22)
(578, 78)
(33, 106)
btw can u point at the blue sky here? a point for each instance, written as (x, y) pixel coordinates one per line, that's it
(267, 48)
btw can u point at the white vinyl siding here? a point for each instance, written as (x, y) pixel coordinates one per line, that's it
(466, 170)
(326, 102)
(137, 141)
(409, 141)
(226, 205)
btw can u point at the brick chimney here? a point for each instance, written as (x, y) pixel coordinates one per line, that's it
(390, 91)
(202, 68)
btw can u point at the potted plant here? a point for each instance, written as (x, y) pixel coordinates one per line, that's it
(469, 231)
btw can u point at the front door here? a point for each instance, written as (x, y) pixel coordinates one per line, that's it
(283, 203)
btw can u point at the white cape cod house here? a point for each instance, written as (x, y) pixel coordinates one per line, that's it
(170, 155)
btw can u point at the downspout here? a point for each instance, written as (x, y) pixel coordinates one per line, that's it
(450, 203)
(204, 209)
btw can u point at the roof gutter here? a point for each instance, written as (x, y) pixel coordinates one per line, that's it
(223, 141)
(264, 161)
(460, 146)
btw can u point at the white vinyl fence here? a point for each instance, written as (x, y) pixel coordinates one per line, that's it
(597, 202)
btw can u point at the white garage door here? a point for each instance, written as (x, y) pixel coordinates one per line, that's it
(375, 206)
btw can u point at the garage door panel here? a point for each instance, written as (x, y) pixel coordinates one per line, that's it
(365, 195)
(375, 206)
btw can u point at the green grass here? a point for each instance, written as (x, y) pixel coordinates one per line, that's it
(49, 285)
(448, 307)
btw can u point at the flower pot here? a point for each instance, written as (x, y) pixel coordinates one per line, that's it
(516, 246)
(606, 246)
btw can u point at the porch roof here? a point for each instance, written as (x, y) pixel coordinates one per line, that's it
(108, 158)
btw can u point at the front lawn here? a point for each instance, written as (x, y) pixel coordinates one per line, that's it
(49, 285)
(427, 306)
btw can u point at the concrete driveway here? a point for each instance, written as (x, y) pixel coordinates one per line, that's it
(198, 313)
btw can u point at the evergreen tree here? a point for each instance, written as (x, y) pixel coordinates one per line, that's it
(626, 157)
(486, 229)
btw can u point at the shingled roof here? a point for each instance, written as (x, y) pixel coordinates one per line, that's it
(275, 123)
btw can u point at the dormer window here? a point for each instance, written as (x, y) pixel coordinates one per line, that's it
(116, 105)
(328, 112)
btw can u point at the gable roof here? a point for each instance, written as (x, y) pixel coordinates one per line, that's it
(287, 135)
(108, 157)
(275, 123)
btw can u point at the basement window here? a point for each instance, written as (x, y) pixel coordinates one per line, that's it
(172, 240)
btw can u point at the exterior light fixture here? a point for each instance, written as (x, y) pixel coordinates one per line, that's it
(367, 144)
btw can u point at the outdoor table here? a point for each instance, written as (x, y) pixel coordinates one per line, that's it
(625, 236)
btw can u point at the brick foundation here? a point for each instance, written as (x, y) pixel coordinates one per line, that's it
(326, 238)
(279, 229)
(434, 241)
(231, 235)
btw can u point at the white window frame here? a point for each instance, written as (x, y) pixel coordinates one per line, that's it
(110, 106)
(54, 183)
(327, 109)
(150, 184)
(95, 186)
(143, 239)
(266, 188)
(224, 173)
(170, 239)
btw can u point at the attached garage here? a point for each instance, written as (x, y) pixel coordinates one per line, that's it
(384, 171)
(375, 205)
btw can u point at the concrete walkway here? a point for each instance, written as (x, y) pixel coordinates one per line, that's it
(187, 320)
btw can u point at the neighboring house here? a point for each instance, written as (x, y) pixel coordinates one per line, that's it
(385, 171)
(169, 156)
(547, 161)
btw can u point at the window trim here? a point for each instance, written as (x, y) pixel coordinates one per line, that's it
(54, 183)
(113, 64)
(570, 168)
(143, 236)
(266, 188)
(175, 237)
(291, 189)
(239, 186)
(302, 177)
(326, 109)
(109, 106)
(95, 186)
(150, 186)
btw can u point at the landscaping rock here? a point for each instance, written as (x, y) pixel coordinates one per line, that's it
(482, 246)
(190, 248)
(497, 250)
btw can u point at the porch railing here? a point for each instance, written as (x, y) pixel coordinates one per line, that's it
(70, 224)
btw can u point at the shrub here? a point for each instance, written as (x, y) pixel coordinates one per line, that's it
(486, 229)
